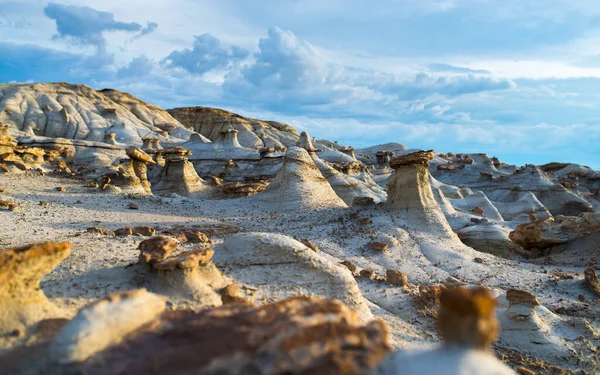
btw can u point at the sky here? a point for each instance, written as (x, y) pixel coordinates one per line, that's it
(515, 79)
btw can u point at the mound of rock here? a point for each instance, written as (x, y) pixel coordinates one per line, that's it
(300, 185)
(61, 110)
(284, 267)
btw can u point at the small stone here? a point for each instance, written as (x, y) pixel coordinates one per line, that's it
(351, 266)
(44, 204)
(365, 221)
(102, 231)
(143, 231)
(308, 243)
(93, 185)
(363, 201)
(478, 211)
(378, 246)
(123, 232)
(524, 371)
(194, 236)
(3, 191)
(591, 280)
(479, 260)
(61, 189)
(367, 273)
(582, 298)
(157, 248)
(231, 294)
(394, 277)
(104, 182)
(133, 206)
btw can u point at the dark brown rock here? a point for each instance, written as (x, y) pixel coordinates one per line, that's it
(123, 232)
(351, 266)
(102, 231)
(591, 280)
(194, 236)
(378, 246)
(133, 206)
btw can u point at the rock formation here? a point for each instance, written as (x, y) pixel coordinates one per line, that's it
(105, 323)
(22, 302)
(284, 267)
(179, 176)
(409, 192)
(61, 110)
(139, 160)
(211, 122)
(299, 185)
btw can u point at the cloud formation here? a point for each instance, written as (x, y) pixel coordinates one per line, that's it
(205, 55)
(85, 25)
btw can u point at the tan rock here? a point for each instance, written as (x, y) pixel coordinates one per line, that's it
(308, 243)
(467, 317)
(478, 211)
(394, 277)
(515, 296)
(105, 323)
(143, 231)
(351, 266)
(187, 259)
(195, 236)
(123, 232)
(156, 249)
(95, 230)
(22, 301)
(378, 246)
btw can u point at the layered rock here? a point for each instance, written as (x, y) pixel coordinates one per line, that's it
(299, 185)
(211, 122)
(22, 301)
(179, 176)
(547, 233)
(140, 159)
(410, 194)
(283, 267)
(61, 110)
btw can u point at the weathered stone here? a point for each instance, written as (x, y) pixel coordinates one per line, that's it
(194, 236)
(104, 324)
(308, 243)
(515, 296)
(415, 158)
(156, 249)
(366, 273)
(22, 301)
(133, 206)
(143, 231)
(61, 189)
(123, 232)
(8, 205)
(295, 336)
(351, 266)
(378, 246)
(137, 154)
(102, 231)
(394, 277)
(591, 280)
(467, 317)
(478, 211)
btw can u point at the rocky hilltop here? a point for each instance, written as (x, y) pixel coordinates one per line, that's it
(252, 133)
(62, 110)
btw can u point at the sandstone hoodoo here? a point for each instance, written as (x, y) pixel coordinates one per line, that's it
(178, 175)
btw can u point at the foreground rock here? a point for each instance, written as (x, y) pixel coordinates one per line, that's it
(468, 326)
(22, 302)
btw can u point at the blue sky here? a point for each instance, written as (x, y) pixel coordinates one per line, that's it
(514, 79)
